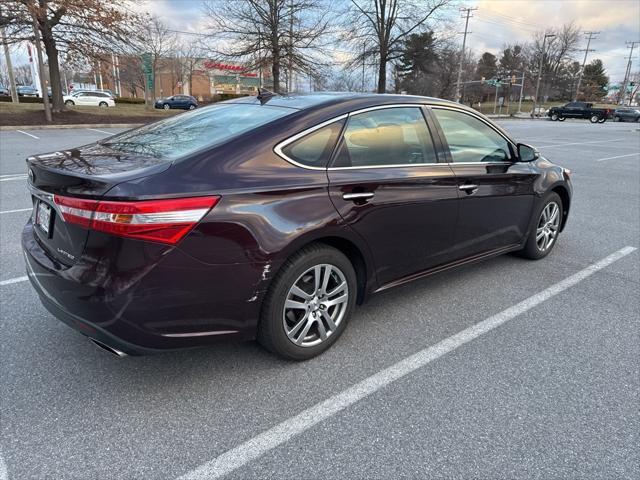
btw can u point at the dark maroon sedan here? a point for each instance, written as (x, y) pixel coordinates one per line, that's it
(272, 217)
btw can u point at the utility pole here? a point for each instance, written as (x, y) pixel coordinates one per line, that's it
(464, 44)
(7, 56)
(535, 98)
(627, 73)
(43, 81)
(521, 91)
(584, 61)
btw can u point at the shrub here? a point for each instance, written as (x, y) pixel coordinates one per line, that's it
(130, 100)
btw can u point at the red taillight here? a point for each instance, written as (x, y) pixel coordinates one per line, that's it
(166, 221)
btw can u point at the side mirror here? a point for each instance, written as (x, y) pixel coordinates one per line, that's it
(526, 153)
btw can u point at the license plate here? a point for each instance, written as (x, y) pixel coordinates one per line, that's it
(43, 217)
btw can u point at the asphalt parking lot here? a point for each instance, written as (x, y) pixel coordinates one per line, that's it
(504, 369)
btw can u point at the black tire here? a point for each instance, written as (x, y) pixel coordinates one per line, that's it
(594, 118)
(166, 106)
(602, 120)
(562, 119)
(103, 104)
(555, 117)
(271, 331)
(192, 106)
(69, 103)
(531, 249)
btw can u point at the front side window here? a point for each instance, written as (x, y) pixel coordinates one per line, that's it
(390, 136)
(315, 148)
(471, 140)
(183, 134)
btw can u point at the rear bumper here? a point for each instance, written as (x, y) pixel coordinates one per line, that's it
(137, 302)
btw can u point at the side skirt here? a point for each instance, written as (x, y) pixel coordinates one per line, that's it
(447, 266)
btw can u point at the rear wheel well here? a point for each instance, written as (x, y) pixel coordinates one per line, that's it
(566, 201)
(353, 253)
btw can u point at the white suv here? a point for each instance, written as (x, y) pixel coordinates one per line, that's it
(89, 98)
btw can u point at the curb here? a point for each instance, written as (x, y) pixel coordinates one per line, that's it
(7, 128)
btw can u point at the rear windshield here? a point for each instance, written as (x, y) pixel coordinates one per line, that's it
(183, 134)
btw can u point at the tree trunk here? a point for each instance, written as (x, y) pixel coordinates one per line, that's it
(382, 74)
(275, 71)
(57, 103)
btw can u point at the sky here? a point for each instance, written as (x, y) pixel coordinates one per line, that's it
(496, 22)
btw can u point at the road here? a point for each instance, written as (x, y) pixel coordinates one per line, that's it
(504, 369)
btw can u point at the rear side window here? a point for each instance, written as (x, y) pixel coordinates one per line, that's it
(386, 137)
(315, 148)
(186, 133)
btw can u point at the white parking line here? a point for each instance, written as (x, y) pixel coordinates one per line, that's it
(13, 280)
(32, 136)
(3, 469)
(16, 211)
(580, 143)
(9, 179)
(618, 156)
(100, 131)
(281, 433)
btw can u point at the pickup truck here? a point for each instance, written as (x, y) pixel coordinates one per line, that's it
(580, 110)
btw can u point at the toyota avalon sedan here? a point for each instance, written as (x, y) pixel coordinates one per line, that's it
(272, 217)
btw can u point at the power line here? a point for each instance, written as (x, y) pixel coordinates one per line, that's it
(591, 36)
(511, 19)
(464, 43)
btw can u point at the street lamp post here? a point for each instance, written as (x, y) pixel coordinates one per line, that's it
(535, 98)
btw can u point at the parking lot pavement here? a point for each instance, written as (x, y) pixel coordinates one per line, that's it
(551, 392)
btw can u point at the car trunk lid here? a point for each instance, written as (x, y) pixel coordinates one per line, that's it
(83, 173)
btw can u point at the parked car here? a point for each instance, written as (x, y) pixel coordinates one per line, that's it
(579, 110)
(27, 91)
(272, 217)
(90, 98)
(78, 90)
(4, 90)
(185, 102)
(626, 114)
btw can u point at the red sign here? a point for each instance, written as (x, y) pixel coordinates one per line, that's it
(230, 68)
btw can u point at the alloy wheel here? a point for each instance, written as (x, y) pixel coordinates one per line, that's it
(548, 226)
(315, 305)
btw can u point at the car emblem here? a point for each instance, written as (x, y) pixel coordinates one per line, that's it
(32, 176)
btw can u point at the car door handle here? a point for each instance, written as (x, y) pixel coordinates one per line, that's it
(358, 196)
(469, 188)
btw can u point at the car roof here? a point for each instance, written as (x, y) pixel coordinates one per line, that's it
(317, 99)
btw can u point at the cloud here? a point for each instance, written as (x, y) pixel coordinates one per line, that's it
(497, 22)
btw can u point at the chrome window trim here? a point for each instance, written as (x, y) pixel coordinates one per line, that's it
(398, 165)
(479, 117)
(278, 148)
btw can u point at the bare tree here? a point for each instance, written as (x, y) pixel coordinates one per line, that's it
(68, 25)
(131, 74)
(23, 74)
(558, 52)
(384, 24)
(156, 38)
(270, 33)
(188, 56)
